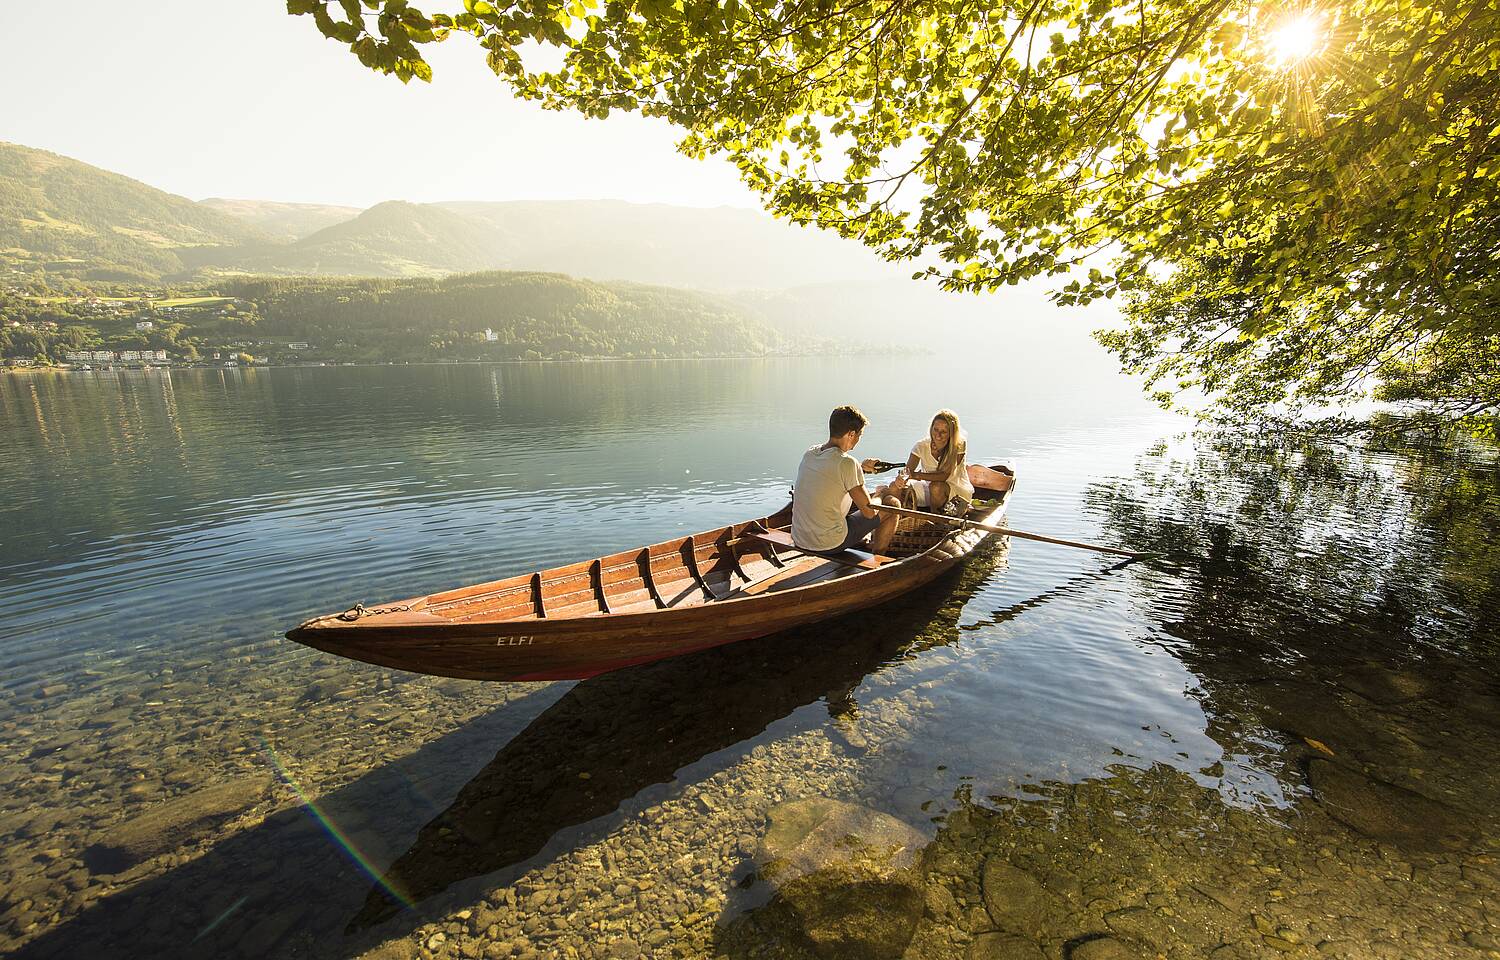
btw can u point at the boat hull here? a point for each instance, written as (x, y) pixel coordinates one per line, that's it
(577, 647)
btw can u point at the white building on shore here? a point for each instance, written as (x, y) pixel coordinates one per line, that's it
(109, 356)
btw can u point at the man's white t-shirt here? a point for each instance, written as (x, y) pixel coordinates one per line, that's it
(958, 480)
(821, 499)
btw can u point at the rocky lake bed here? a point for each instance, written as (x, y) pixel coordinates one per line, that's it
(825, 841)
(1279, 738)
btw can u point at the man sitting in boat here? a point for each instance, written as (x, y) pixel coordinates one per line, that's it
(937, 474)
(830, 509)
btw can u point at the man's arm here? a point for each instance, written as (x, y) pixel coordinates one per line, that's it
(862, 500)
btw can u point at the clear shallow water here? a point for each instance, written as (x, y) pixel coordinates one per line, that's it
(160, 531)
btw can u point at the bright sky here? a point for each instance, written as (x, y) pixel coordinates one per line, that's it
(234, 98)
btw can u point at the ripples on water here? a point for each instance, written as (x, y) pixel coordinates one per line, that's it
(1313, 607)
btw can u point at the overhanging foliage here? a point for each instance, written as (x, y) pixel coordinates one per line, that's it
(1288, 232)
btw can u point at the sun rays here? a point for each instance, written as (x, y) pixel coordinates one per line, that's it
(1294, 39)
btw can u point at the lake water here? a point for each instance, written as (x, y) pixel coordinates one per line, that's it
(1278, 739)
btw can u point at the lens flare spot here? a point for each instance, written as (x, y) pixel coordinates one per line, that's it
(1294, 39)
(342, 839)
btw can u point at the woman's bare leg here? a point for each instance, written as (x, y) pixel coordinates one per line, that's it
(937, 496)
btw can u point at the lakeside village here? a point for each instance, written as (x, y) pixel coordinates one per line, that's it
(141, 332)
(486, 317)
(96, 332)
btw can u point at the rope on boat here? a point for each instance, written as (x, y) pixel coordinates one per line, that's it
(360, 610)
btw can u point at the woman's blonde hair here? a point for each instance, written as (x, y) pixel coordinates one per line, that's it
(956, 443)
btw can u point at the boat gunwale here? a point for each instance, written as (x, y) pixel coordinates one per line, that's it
(547, 624)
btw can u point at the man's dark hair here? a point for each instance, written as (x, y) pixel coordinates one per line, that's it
(843, 419)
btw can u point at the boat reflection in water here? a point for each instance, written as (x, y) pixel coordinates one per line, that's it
(614, 735)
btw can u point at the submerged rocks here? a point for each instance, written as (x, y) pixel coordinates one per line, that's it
(1003, 946)
(1384, 684)
(1014, 898)
(1144, 926)
(173, 824)
(843, 912)
(845, 878)
(1380, 810)
(259, 940)
(818, 833)
(1105, 948)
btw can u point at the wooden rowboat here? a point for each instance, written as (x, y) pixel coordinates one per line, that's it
(575, 621)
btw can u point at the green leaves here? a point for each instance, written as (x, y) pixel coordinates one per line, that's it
(1284, 233)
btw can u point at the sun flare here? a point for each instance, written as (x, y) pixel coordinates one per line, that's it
(1294, 39)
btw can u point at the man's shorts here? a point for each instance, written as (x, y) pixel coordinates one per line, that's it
(860, 527)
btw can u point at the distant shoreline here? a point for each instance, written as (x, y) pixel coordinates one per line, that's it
(114, 368)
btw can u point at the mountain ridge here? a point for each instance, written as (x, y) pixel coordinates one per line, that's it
(802, 281)
(65, 216)
(281, 219)
(394, 238)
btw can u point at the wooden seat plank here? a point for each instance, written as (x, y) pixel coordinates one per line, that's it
(854, 558)
(804, 571)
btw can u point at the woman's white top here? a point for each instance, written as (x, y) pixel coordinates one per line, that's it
(958, 480)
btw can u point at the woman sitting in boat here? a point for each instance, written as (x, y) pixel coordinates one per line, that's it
(936, 471)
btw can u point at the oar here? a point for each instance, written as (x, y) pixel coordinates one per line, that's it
(1006, 531)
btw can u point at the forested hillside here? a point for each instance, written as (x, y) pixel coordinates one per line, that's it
(391, 239)
(61, 219)
(482, 316)
(283, 221)
(530, 315)
(722, 248)
(85, 250)
(67, 218)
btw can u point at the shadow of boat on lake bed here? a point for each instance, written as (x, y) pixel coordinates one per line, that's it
(614, 736)
(292, 886)
(288, 881)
